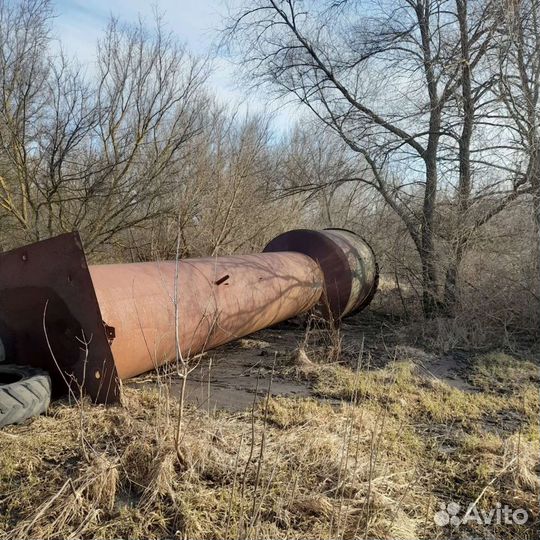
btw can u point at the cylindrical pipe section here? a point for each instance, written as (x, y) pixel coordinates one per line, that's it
(351, 274)
(363, 268)
(158, 309)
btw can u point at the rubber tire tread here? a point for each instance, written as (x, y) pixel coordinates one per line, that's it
(23, 399)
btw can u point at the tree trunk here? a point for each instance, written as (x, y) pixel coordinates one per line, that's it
(461, 236)
(430, 301)
(536, 215)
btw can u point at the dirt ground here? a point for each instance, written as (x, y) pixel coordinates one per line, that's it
(233, 376)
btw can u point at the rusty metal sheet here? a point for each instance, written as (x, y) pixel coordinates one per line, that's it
(50, 318)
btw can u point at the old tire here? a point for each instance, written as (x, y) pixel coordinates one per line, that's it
(24, 392)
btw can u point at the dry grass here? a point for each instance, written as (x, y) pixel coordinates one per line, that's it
(502, 373)
(376, 465)
(304, 471)
(408, 394)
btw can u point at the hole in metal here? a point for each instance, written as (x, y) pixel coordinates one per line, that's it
(222, 279)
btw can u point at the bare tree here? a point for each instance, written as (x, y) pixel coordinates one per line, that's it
(319, 169)
(519, 90)
(24, 70)
(406, 85)
(466, 150)
(226, 199)
(94, 154)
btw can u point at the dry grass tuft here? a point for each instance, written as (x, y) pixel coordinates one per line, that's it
(102, 484)
(286, 413)
(498, 372)
(159, 483)
(523, 475)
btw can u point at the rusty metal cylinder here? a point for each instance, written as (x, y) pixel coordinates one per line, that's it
(198, 303)
(166, 310)
(351, 274)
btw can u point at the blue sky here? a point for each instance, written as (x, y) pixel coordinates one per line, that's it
(79, 23)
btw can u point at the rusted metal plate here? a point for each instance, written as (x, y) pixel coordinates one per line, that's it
(332, 260)
(347, 261)
(50, 318)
